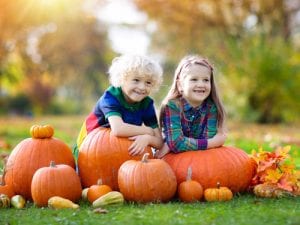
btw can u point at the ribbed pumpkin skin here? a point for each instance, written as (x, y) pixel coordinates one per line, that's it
(30, 155)
(100, 156)
(190, 191)
(59, 180)
(7, 190)
(151, 181)
(230, 166)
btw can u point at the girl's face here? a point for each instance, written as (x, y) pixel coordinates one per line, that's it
(195, 84)
(135, 88)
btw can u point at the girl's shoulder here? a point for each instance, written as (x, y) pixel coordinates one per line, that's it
(174, 103)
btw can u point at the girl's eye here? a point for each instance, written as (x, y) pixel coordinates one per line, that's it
(206, 80)
(193, 79)
(136, 80)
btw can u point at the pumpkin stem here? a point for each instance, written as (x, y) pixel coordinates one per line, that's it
(145, 157)
(52, 164)
(218, 184)
(189, 174)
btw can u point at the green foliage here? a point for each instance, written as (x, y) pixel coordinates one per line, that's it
(264, 77)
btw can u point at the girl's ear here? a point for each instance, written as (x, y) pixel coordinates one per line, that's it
(179, 86)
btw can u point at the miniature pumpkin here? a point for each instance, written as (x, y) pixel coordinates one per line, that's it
(97, 190)
(218, 194)
(4, 201)
(190, 190)
(39, 131)
(30, 155)
(230, 166)
(104, 153)
(55, 180)
(148, 180)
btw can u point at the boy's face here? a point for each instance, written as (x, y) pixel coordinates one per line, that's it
(135, 88)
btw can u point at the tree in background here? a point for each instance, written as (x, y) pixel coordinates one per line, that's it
(53, 53)
(251, 41)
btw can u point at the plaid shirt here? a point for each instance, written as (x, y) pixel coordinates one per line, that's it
(187, 128)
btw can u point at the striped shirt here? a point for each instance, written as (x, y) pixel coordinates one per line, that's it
(188, 128)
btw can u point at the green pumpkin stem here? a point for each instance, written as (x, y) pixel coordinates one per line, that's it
(145, 157)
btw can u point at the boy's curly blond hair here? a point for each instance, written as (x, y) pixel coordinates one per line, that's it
(128, 65)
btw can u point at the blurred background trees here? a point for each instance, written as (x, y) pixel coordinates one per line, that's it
(54, 54)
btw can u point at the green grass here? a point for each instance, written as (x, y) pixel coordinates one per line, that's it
(242, 210)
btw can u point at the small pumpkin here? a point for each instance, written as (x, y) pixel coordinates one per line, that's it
(30, 155)
(190, 190)
(97, 190)
(148, 180)
(84, 194)
(218, 194)
(41, 131)
(18, 201)
(4, 201)
(55, 180)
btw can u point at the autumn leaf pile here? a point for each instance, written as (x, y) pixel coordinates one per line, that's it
(277, 169)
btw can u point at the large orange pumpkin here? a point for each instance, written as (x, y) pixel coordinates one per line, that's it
(55, 180)
(6, 189)
(30, 155)
(100, 156)
(230, 166)
(148, 180)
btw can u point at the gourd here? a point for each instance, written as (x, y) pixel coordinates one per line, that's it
(30, 155)
(190, 190)
(110, 198)
(148, 180)
(4, 201)
(55, 180)
(218, 194)
(97, 190)
(57, 202)
(269, 191)
(18, 202)
(104, 153)
(230, 166)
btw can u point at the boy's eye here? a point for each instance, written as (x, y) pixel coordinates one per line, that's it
(136, 80)
(206, 80)
(149, 83)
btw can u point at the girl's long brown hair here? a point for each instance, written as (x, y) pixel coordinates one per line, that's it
(174, 93)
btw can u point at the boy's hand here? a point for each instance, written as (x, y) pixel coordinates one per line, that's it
(139, 144)
(162, 152)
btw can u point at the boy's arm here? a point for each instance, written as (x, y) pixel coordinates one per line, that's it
(121, 129)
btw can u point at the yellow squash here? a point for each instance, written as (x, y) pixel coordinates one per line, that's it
(57, 202)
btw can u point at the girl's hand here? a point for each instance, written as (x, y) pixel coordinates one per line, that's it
(139, 144)
(162, 152)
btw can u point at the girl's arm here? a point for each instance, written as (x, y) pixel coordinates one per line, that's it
(121, 129)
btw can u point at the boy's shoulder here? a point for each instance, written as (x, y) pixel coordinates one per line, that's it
(117, 94)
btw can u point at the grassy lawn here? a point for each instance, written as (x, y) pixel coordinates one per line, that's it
(243, 209)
